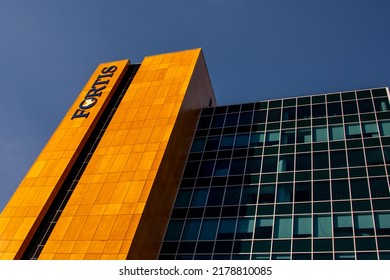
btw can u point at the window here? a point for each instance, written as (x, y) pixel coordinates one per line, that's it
(289, 114)
(303, 161)
(336, 132)
(352, 131)
(199, 197)
(267, 194)
(304, 135)
(356, 157)
(384, 127)
(232, 196)
(321, 190)
(174, 230)
(274, 115)
(253, 165)
(320, 160)
(183, 198)
(272, 138)
(249, 195)
(338, 159)
(226, 229)
(241, 141)
(342, 225)
(269, 163)
(217, 121)
(206, 168)
(227, 142)
(257, 139)
(302, 226)
(319, 110)
(381, 104)
(212, 143)
(245, 118)
(363, 224)
(237, 166)
(320, 134)
(259, 116)
(283, 227)
(288, 137)
(365, 106)
(340, 189)
(284, 193)
(303, 112)
(263, 228)
(191, 230)
(286, 163)
(349, 107)
(359, 188)
(370, 129)
(382, 223)
(209, 229)
(322, 226)
(302, 192)
(231, 119)
(334, 109)
(245, 227)
(222, 167)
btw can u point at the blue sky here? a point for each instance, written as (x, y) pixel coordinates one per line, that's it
(254, 49)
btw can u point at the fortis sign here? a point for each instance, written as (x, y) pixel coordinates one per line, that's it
(96, 91)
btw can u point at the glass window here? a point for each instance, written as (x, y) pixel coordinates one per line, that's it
(302, 192)
(356, 157)
(226, 228)
(363, 224)
(269, 163)
(257, 139)
(370, 129)
(198, 145)
(288, 137)
(253, 165)
(352, 131)
(249, 195)
(199, 197)
(272, 138)
(359, 188)
(321, 190)
(245, 227)
(382, 223)
(218, 121)
(191, 169)
(374, 156)
(334, 109)
(191, 230)
(237, 166)
(304, 135)
(320, 134)
(259, 116)
(322, 226)
(227, 142)
(302, 226)
(379, 187)
(212, 143)
(263, 228)
(381, 104)
(320, 160)
(174, 230)
(336, 132)
(241, 140)
(204, 122)
(340, 189)
(342, 225)
(284, 193)
(349, 107)
(289, 114)
(222, 167)
(319, 110)
(245, 118)
(283, 227)
(338, 159)
(274, 115)
(232, 196)
(206, 168)
(286, 163)
(231, 119)
(183, 198)
(267, 194)
(365, 105)
(384, 127)
(215, 196)
(303, 112)
(209, 229)
(303, 161)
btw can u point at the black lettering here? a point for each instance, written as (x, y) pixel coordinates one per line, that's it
(110, 69)
(95, 92)
(80, 114)
(88, 103)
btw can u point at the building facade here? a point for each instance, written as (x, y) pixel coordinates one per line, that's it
(103, 186)
(145, 166)
(297, 178)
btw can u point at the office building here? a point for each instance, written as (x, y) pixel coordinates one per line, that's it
(296, 178)
(145, 165)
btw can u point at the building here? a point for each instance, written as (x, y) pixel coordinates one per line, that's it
(297, 178)
(145, 166)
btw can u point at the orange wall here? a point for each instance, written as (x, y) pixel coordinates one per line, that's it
(122, 202)
(28, 205)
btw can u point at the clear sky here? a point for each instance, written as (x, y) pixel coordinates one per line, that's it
(254, 49)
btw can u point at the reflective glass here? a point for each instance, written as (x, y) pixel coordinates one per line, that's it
(209, 229)
(191, 230)
(283, 227)
(302, 226)
(322, 226)
(320, 134)
(336, 132)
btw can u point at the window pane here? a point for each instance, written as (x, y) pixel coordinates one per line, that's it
(198, 145)
(267, 194)
(270, 163)
(232, 196)
(206, 168)
(253, 165)
(215, 196)
(209, 228)
(370, 129)
(212, 143)
(191, 230)
(303, 161)
(289, 114)
(379, 187)
(359, 188)
(356, 157)
(374, 156)
(320, 134)
(285, 193)
(304, 135)
(227, 142)
(222, 167)
(199, 197)
(382, 223)
(237, 166)
(226, 229)
(259, 116)
(183, 198)
(231, 119)
(338, 159)
(319, 110)
(249, 195)
(349, 107)
(352, 131)
(274, 115)
(342, 225)
(218, 121)
(320, 160)
(340, 189)
(303, 112)
(174, 230)
(384, 127)
(283, 227)
(263, 227)
(241, 141)
(245, 118)
(302, 226)
(245, 227)
(363, 224)
(334, 109)
(365, 105)
(272, 138)
(336, 132)
(257, 139)
(321, 190)
(302, 192)
(286, 163)
(322, 226)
